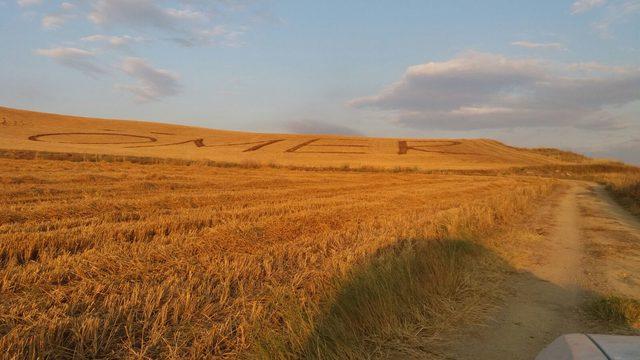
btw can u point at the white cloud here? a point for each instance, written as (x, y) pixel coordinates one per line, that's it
(190, 25)
(187, 22)
(67, 6)
(141, 13)
(218, 35)
(56, 19)
(25, 3)
(113, 41)
(534, 45)
(480, 90)
(185, 14)
(79, 59)
(580, 6)
(53, 21)
(152, 84)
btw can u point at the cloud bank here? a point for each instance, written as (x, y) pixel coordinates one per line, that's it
(481, 91)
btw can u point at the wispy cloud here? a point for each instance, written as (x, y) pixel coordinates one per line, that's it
(25, 3)
(480, 90)
(190, 24)
(59, 17)
(54, 21)
(113, 41)
(151, 83)
(580, 6)
(141, 13)
(616, 13)
(79, 59)
(124, 24)
(218, 35)
(535, 45)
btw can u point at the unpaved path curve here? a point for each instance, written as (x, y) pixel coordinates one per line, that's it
(545, 296)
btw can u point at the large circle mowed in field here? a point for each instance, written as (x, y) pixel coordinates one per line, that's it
(93, 138)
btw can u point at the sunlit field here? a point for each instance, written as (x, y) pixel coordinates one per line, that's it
(291, 180)
(137, 253)
(116, 259)
(25, 130)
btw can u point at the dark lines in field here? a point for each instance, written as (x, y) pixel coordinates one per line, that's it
(201, 144)
(301, 145)
(147, 138)
(403, 147)
(160, 133)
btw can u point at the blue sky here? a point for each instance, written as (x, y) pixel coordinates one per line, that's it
(534, 73)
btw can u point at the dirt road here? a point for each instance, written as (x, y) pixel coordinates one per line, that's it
(589, 244)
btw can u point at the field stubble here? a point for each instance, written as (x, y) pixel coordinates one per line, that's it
(118, 260)
(259, 245)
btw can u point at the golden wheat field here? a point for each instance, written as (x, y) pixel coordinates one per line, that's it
(115, 260)
(26, 130)
(263, 253)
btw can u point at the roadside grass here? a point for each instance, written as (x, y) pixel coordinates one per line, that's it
(621, 181)
(403, 298)
(404, 301)
(616, 311)
(562, 155)
(626, 190)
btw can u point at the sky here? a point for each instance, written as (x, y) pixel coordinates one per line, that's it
(549, 73)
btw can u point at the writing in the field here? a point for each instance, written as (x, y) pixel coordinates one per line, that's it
(298, 146)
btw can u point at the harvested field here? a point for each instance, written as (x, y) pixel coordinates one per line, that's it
(69, 134)
(123, 239)
(120, 260)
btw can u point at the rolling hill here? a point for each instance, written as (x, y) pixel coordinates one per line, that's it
(27, 130)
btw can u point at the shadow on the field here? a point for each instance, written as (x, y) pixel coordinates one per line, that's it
(411, 300)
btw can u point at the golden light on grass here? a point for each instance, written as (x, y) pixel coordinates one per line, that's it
(117, 259)
(57, 133)
(232, 251)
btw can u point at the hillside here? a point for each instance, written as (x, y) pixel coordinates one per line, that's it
(27, 130)
(178, 259)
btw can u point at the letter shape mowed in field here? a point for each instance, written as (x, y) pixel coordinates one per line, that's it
(68, 134)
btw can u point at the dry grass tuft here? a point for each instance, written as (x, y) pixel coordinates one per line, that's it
(626, 190)
(401, 301)
(561, 155)
(616, 310)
